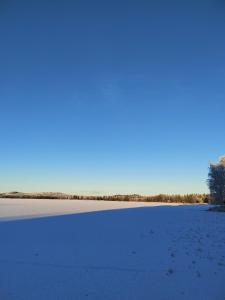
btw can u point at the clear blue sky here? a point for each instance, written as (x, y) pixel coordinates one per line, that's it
(102, 97)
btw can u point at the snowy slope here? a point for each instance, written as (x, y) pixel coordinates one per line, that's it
(131, 251)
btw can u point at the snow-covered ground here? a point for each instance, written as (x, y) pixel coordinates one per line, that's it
(59, 249)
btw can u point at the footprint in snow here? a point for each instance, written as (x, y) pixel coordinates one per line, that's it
(170, 271)
(198, 274)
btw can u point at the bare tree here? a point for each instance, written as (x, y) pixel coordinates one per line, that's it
(216, 182)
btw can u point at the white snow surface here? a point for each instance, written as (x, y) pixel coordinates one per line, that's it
(78, 250)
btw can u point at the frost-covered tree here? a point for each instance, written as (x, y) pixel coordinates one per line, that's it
(216, 182)
(222, 160)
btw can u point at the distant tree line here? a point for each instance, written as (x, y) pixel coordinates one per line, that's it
(189, 198)
(216, 184)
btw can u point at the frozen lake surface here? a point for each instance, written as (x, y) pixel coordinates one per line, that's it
(64, 249)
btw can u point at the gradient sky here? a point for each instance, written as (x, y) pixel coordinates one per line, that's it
(101, 97)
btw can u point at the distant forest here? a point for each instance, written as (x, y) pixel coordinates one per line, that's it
(188, 198)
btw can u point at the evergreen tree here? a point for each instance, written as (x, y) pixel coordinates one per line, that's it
(216, 182)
